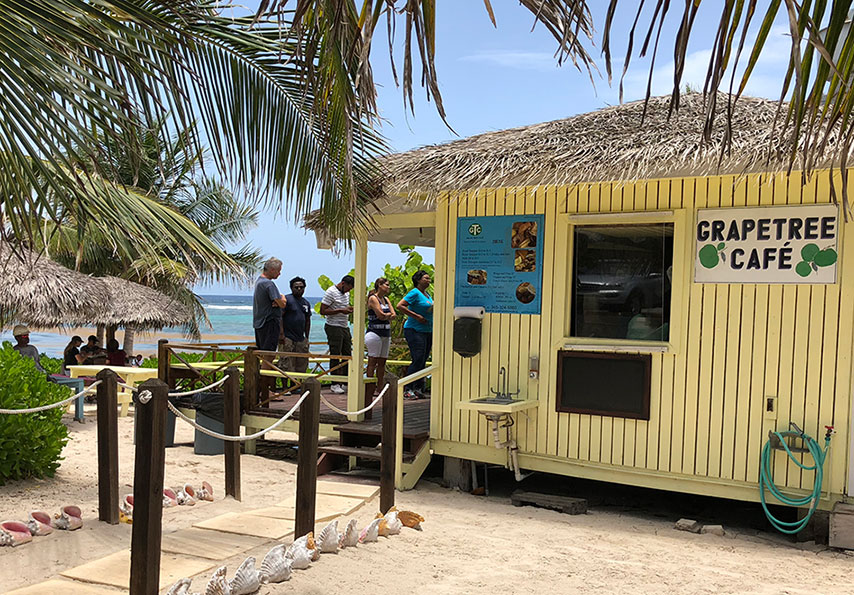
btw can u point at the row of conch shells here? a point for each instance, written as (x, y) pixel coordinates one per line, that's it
(40, 523)
(183, 496)
(280, 562)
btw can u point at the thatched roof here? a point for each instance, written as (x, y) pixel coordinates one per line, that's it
(611, 144)
(40, 292)
(141, 307)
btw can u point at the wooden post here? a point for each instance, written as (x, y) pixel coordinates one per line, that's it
(389, 440)
(232, 428)
(108, 448)
(250, 379)
(164, 357)
(148, 487)
(309, 425)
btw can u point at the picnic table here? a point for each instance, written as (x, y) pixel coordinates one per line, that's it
(128, 374)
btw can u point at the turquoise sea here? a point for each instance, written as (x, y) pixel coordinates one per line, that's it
(230, 316)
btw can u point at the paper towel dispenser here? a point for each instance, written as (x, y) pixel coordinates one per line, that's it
(468, 323)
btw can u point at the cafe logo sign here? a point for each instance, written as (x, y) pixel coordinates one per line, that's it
(795, 244)
(475, 229)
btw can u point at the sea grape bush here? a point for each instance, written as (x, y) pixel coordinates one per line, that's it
(30, 444)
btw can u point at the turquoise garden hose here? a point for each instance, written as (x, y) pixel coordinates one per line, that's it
(766, 463)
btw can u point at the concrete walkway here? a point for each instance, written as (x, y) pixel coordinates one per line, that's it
(207, 544)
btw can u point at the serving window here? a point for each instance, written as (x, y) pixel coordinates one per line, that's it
(621, 281)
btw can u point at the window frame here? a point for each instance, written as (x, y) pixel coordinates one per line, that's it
(679, 284)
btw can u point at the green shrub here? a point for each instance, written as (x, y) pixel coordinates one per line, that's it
(31, 443)
(51, 365)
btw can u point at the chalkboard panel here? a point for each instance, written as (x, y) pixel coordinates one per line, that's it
(613, 384)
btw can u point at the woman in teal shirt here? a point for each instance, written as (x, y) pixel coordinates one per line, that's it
(418, 329)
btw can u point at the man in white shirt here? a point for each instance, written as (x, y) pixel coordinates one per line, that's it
(337, 309)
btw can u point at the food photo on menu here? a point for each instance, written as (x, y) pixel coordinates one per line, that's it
(476, 277)
(526, 293)
(525, 261)
(524, 234)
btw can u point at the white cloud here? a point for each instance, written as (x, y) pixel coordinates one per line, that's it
(514, 59)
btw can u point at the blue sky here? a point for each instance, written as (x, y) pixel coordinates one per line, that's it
(496, 78)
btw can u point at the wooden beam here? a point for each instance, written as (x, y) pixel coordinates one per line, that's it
(108, 447)
(405, 220)
(389, 441)
(232, 428)
(355, 386)
(148, 472)
(164, 361)
(251, 372)
(309, 417)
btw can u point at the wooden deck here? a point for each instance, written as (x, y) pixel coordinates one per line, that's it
(416, 415)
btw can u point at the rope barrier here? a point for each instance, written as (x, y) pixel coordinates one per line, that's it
(180, 394)
(360, 411)
(52, 405)
(254, 436)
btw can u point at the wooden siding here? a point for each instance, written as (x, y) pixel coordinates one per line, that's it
(732, 345)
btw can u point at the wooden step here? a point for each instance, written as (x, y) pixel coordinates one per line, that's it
(362, 452)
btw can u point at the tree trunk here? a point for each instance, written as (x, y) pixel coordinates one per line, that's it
(111, 332)
(128, 341)
(100, 334)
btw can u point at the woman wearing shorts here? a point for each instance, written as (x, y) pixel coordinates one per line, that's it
(378, 337)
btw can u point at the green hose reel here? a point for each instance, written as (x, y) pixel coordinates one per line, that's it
(777, 441)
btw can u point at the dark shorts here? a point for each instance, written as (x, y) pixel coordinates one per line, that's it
(267, 337)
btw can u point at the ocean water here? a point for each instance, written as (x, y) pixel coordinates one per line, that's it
(229, 315)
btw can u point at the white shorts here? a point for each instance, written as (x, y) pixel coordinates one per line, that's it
(377, 346)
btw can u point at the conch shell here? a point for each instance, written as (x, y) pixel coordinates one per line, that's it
(410, 519)
(218, 585)
(170, 498)
(327, 539)
(275, 568)
(392, 523)
(14, 533)
(39, 523)
(126, 509)
(246, 580)
(182, 587)
(71, 518)
(371, 532)
(350, 536)
(205, 492)
(186, 495)
(302, 552)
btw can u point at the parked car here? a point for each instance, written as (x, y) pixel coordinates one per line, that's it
(625, 286)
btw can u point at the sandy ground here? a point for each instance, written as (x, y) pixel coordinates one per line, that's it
(469, 544)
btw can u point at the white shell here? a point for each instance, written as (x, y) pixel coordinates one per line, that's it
(299, 554)
(371, 532)
(350, 536)
(275, 568)
(218, 585)
(327, 540)
(394, 524)
(6, 538)
(182, 587)
(246, 580)
(184, 499)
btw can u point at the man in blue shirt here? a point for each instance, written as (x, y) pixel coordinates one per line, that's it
(296, 326)
(267, 307)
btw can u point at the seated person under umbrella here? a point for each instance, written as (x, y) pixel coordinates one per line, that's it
(22, 345)
(115, 356)
(92, 352)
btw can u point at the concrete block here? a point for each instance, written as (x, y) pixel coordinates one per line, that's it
(714, 530)
(689, 525)
(841, 532)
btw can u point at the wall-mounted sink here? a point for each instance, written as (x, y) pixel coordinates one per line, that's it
(497, 405)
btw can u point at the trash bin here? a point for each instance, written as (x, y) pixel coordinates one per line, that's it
(210, 414)
(170, 428)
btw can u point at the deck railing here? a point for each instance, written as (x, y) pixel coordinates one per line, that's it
(398, 446)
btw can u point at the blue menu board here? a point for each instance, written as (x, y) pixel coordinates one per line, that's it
(499, 263)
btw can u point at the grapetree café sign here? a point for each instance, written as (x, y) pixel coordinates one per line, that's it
(793, 244)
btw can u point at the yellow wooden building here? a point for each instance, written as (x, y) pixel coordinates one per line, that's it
(640, 364)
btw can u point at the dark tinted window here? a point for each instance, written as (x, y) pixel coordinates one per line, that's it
(621, 281)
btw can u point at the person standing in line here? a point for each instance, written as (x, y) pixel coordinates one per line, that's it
(296, 326)
(335, 305)
(418, 329)
(267, 306)
(378, 335)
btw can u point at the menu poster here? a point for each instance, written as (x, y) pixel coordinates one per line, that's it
(499, 263)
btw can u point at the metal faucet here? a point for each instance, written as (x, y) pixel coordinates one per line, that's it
(502, 383)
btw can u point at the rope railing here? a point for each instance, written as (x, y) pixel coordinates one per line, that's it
(52, 405)
(227, 438)
(180, 394)
(360, 411)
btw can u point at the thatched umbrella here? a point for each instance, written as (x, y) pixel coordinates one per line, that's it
(40, 292)
(133, 305)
